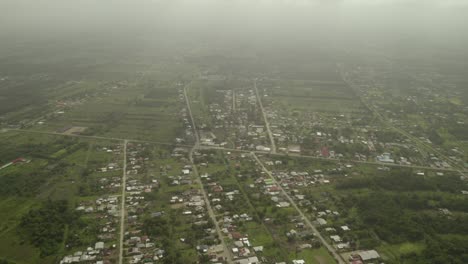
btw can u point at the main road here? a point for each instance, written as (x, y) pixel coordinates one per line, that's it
(267, 124)
(329, 247)
(122, 205)
(227, 253)
(240, 150)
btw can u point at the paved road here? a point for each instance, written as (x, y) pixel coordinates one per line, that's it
(329, 247)
(227, 253)
(330, 159)
(122, 206)
(246, 151)
(267, 124)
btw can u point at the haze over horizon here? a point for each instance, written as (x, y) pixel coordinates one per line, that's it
(242, 22)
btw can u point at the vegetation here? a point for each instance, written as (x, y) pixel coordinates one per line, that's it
(403, 207)
(45, 227)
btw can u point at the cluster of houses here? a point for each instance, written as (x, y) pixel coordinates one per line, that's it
(189, 202)
(325, 220)
(95, 255)
(138, 247)
(291, 180)
(110, 179)
(234, 121)
(104, 211)
(240, 246)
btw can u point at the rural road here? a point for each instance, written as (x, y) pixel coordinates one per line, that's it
(247, 151)
(267, 124)
(122, 206)
(227, 253)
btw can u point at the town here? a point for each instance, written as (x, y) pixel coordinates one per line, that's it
(233, 137)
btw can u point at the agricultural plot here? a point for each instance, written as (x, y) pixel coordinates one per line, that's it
(309, 95)
(58, 198)
(119, 110)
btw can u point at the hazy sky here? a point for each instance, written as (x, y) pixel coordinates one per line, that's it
(57, 13)
(267, 21)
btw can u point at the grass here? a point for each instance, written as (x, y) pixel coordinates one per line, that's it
(59, 185)
(11, 246)
(14, 249)
(313, 256)
(316, 96)
(130, 111)
(396, 251)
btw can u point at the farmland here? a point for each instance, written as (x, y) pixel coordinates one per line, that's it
(49, 169)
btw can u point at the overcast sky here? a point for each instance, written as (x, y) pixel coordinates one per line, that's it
(338, 21)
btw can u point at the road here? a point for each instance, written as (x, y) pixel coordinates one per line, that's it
(245, 151)
(329, 247)
(331, 159)
(122, 206)
(189, 108)
(96, 137)
(267, 124)
(233, 100)
(227, 253)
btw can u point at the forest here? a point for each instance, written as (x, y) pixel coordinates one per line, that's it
(44, 227)
(400, 207)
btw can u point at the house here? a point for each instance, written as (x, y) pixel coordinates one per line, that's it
(298, 261)
(294, 149)
(157, 214)
(203, 248)
(321, 221)
(385, 157)
(342, 245)
(282, 204)
(99, 246)
(258, 249)
(336, 238)
(262, 148)
(345, 228)
(251, 260)
(368, 255)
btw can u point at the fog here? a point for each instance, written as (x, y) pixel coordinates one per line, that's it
(256, 24)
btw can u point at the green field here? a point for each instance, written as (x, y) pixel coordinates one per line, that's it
(58, 168)
(319, 96)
